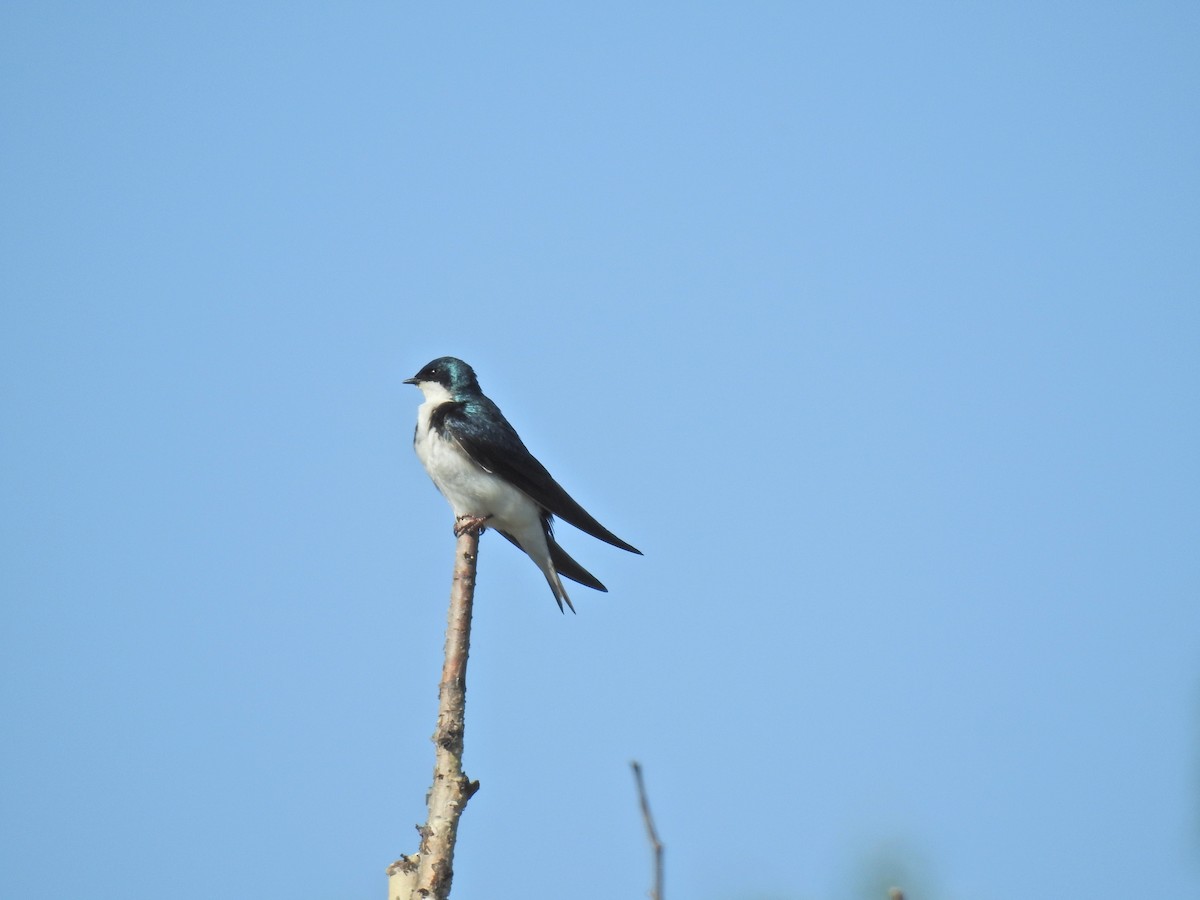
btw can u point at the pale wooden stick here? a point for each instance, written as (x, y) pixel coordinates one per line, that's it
(429, 874)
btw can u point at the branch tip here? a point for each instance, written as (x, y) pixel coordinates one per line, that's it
(656, 891)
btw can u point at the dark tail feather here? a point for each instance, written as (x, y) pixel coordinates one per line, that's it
(560, 592)
(562, 564)
(568, 568)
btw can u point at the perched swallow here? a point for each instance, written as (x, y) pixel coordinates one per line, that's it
(491, 479)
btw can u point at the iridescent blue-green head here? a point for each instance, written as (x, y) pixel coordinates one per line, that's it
(451, 374)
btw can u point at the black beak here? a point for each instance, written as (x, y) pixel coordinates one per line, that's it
(410, 380)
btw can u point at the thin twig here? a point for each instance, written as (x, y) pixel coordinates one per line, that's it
(656, 892)
(429, 874)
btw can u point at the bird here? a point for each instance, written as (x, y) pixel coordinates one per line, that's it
(485, 471)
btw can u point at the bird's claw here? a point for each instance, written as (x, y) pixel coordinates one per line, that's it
(469, 524)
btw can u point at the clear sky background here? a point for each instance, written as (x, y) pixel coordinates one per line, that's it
(876, 326)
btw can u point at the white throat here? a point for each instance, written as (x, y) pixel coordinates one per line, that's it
(435, 394)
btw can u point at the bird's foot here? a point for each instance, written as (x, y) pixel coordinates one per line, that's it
(472, 524)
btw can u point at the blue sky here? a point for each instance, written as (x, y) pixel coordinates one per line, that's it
(874, 326)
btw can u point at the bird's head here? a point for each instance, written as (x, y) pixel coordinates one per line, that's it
(446, 377)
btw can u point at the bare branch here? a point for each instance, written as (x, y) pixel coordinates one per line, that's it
(656, 892)
(428, 874)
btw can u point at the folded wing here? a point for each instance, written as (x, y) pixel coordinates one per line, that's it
(487, 438)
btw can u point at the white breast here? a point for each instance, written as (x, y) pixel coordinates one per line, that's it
(471, 490)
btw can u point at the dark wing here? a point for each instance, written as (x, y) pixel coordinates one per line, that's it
(485, 435)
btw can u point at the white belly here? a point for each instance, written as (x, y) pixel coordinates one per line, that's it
(471, 490)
